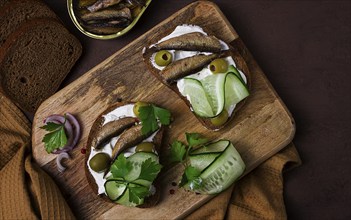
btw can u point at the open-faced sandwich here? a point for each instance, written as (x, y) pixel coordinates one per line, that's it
(210, 167)
(210, 76)
(122, 159)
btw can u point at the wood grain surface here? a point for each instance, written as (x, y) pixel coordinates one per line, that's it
(260, 129)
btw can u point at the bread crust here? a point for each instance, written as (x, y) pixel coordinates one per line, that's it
(97, 125)
(238, 59)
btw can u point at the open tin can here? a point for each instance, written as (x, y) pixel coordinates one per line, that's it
(74, 12)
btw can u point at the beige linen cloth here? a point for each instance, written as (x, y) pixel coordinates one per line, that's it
(27, 192)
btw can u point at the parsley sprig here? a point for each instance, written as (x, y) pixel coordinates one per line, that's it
(180, 152)
(151, 116)
(121, 167)
(56, 138)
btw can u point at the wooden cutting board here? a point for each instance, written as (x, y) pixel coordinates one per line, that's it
(260, 129)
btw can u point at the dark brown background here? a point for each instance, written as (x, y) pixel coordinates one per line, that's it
(304, 49)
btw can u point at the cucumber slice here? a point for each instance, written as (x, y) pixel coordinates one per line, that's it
(114, 188)
(136, 160)
(221, 173)
(197, 96)
(214, 89)
(201, 161)
(216, 92)
(235, 90)
(216, 147)
(233, 69)
(124, 199)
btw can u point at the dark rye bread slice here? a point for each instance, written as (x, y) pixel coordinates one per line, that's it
(15, 12)
(238, 59)
(96, 127)
(34, 61)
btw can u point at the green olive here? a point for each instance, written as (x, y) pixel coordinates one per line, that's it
(99, 162)
(137, 106)
(145, 147)
(219, 66)
(220, 119)
(163, 58)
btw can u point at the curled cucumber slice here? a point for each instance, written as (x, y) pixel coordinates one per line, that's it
(220, 173)
(197, 96)
(214, 88)
(211, 95)
(235, 90)
(215, 147)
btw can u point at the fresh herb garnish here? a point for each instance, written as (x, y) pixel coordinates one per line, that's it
(195, 139)
(191, 175)
(121, 167)
(56, 138)
(137, 193)
(178, 150)
(150, 116)
(180, 153)
(149, 169)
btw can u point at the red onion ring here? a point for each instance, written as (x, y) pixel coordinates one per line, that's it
(76, 131)
(72, 128)
(58, 161)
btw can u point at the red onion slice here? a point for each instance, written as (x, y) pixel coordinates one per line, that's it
(76, 126)
(58, 161)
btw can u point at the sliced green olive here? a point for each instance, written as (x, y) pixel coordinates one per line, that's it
(219, 66)
(100, 162)
(220, 119)
(145, 147)
(137, 106)
(163, 58)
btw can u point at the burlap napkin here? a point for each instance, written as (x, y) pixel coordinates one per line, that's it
(27, 192)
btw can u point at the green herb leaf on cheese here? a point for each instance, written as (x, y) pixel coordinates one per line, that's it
(150, 116)
(149, 170)
(121, 167)
(137, 193)
(56, 138)
(178, 151)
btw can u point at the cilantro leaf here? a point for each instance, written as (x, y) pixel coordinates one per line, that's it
(150, 115)
(149, 170)
(148, 120)
(121, 167)
(137, 193)
(195, 139)
(178, 150)
(191, 175)
(162, 114)
(56, 138)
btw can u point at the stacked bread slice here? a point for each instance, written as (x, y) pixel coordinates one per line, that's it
(36, 52)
